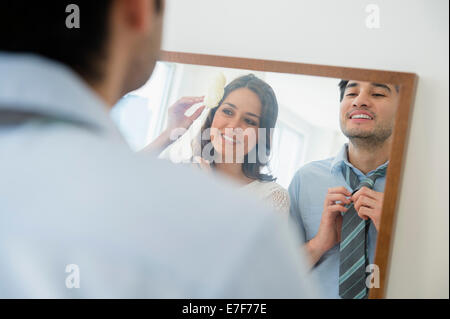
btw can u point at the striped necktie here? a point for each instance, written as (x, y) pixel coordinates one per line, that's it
(353, 247)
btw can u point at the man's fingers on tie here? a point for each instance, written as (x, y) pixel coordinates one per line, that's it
(369, 202)
(357, 204)
(364, 191)
(336, 208)
(339, 190)
(365, 212)
(332, 198)
(365, 201)
(339, 221)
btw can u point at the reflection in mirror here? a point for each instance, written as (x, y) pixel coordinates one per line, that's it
(307, 127)
(314, 148)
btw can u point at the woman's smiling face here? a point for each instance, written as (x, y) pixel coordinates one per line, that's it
(240, 111)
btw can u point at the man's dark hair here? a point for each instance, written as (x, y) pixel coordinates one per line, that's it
(343, 85)
(39, 27)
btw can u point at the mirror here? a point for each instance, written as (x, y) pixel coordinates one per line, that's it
(327, 139)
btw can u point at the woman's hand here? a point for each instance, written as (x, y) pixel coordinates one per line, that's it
(176, 116)
(176, 119)
(202, 164)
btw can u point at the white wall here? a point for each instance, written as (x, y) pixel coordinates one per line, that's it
(413, 37)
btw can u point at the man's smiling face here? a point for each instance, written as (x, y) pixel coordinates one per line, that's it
(368, 110)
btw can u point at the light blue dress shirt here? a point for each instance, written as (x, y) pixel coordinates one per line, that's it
(307, 192)
(75, 202)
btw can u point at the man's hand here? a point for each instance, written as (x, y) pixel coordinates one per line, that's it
(369, 203)
(176, 117)
(329, 233)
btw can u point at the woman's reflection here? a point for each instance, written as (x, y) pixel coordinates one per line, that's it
(235, 140)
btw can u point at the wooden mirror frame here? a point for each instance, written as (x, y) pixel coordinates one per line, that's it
(407, 81)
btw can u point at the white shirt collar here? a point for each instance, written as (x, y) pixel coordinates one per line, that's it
(35, 84)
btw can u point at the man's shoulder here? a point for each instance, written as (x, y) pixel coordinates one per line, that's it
(91, 162)
(94, 192)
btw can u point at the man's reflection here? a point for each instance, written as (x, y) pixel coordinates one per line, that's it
(336, 203)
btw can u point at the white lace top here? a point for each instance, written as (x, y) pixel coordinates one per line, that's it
(271, 193)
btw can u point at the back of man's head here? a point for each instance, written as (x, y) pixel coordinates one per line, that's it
(40, 27)
(117, 40)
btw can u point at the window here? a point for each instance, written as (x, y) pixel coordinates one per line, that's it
(287, 153)
(140, 115)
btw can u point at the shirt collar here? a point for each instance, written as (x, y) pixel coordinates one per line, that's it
(342, 159)
(32, 83)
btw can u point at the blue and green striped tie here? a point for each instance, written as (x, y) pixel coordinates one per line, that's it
(353, 246)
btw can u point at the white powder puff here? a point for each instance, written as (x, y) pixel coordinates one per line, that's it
(215, 91)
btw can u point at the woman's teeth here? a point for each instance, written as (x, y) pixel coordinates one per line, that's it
(229, 139)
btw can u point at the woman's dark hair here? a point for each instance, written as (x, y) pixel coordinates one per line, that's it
(269, 114)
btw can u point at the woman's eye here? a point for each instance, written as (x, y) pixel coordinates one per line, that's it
(227, 112)
(251, 122)
(351, 94)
